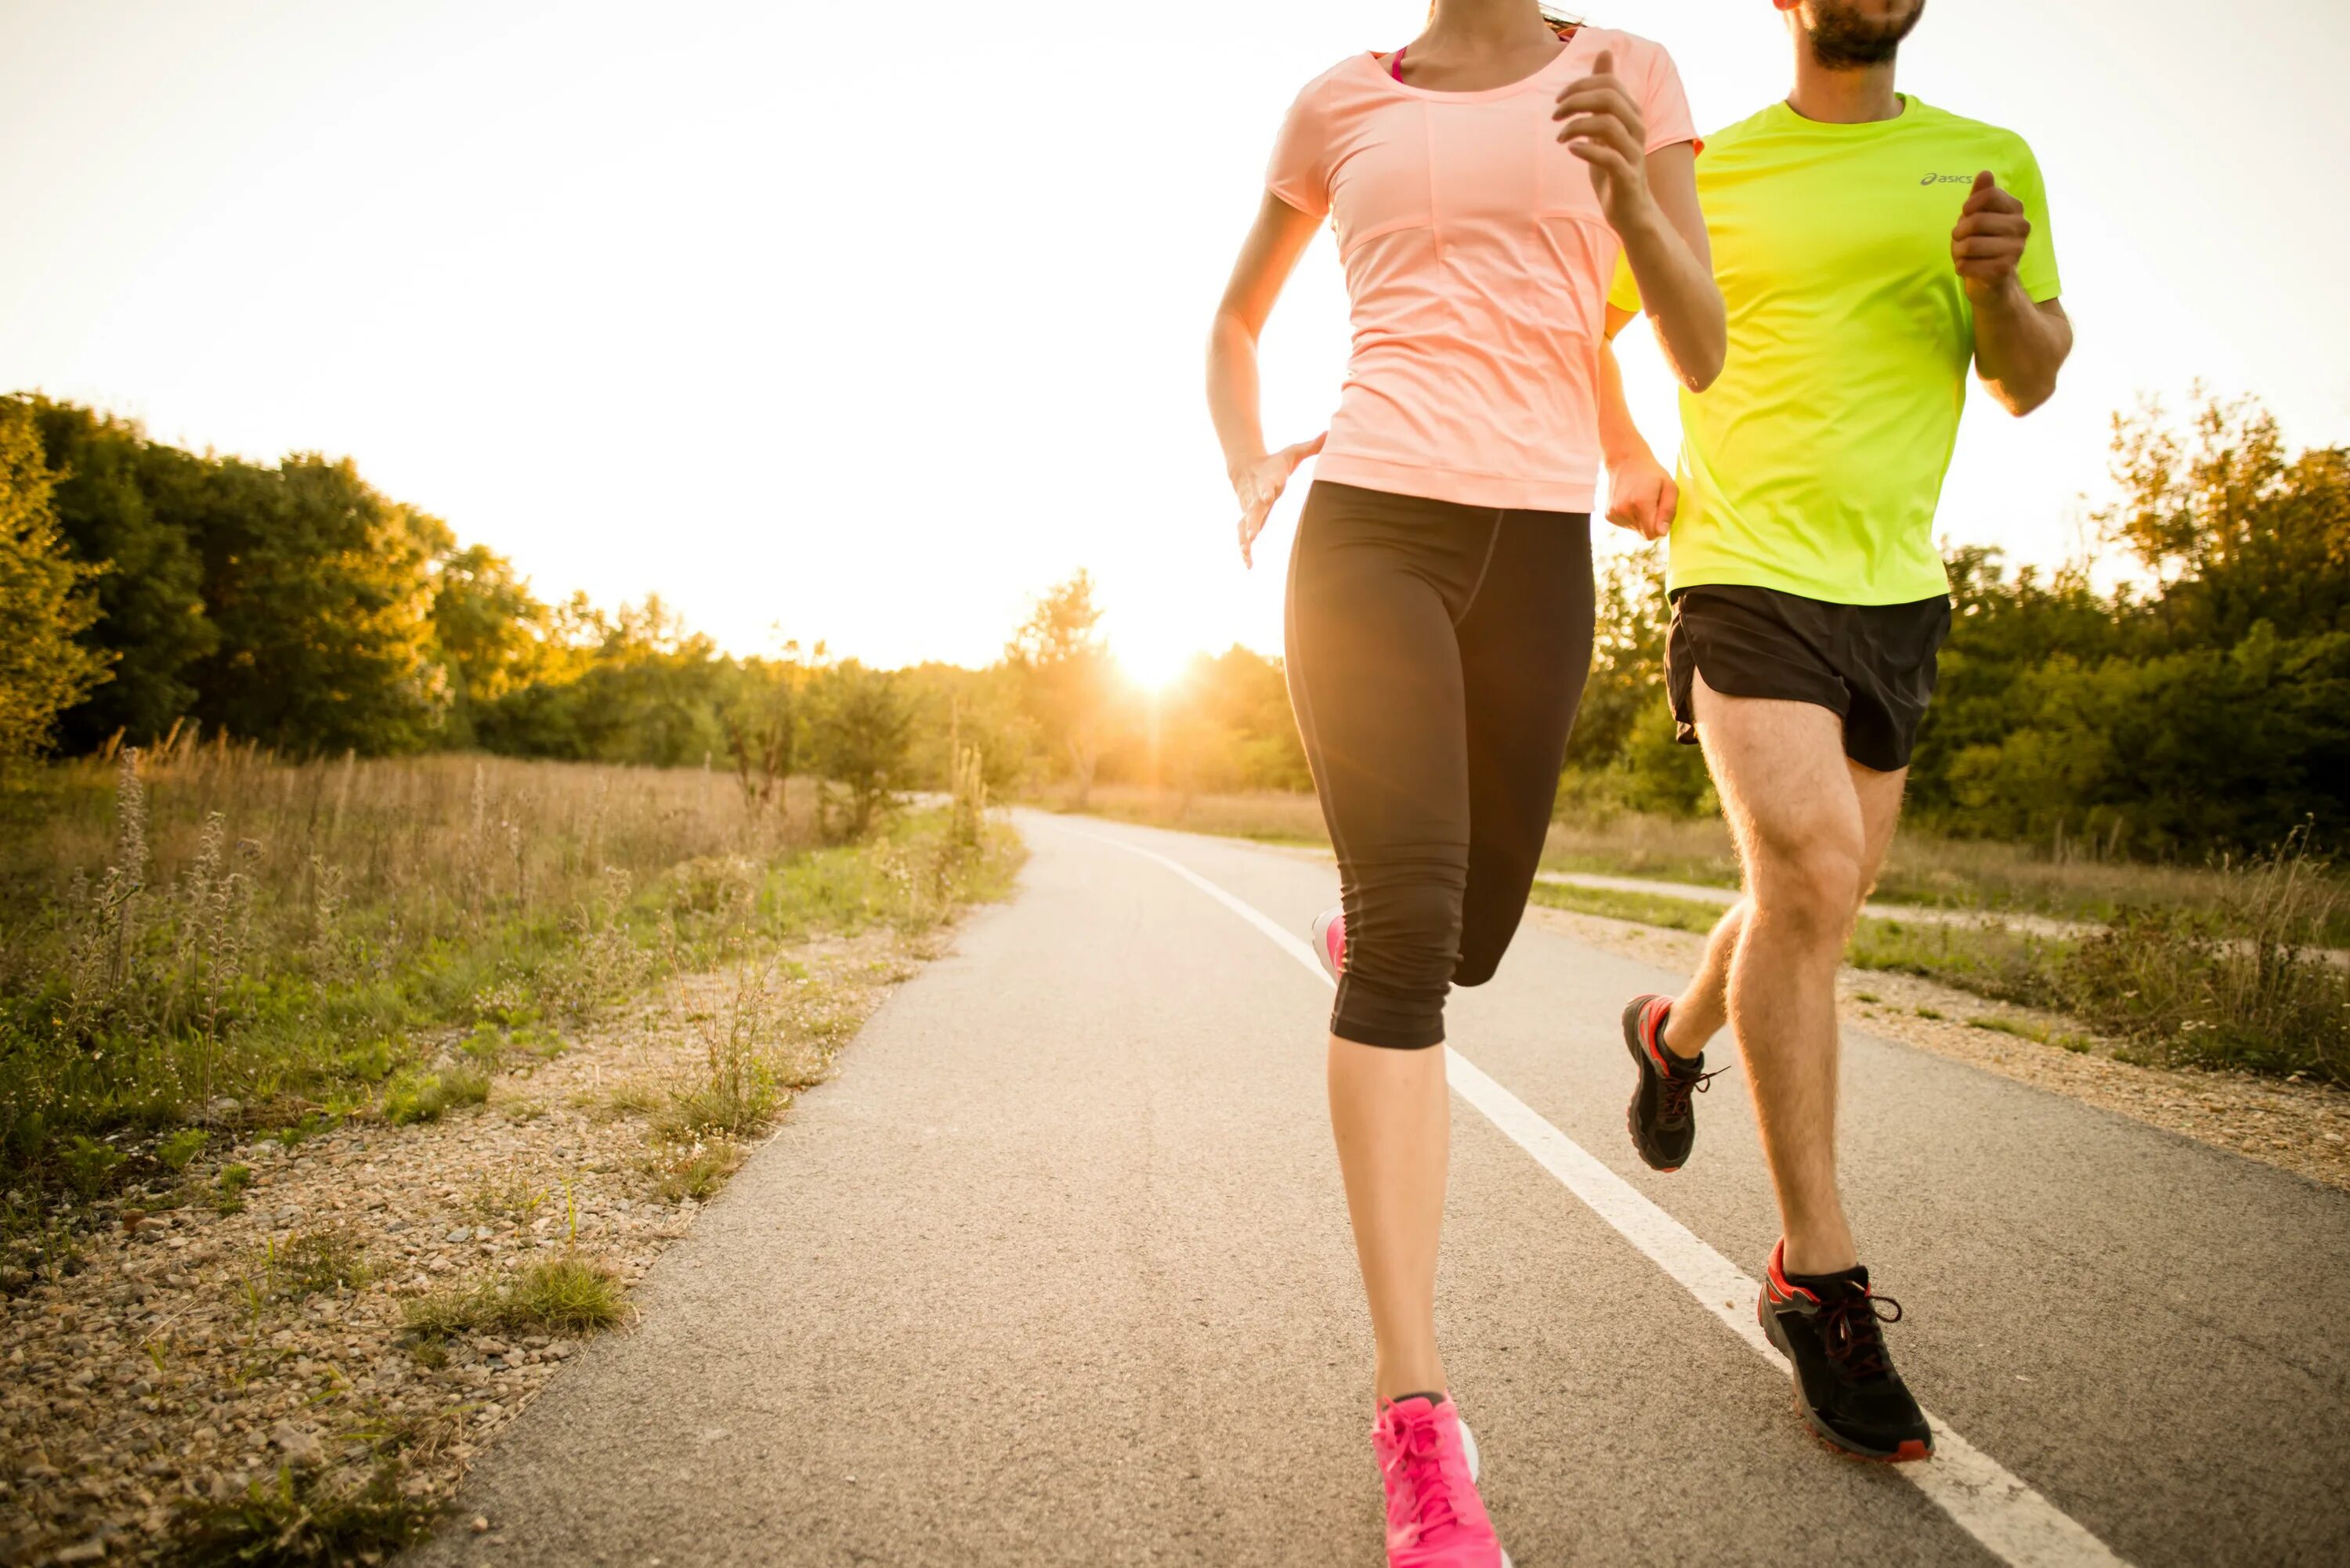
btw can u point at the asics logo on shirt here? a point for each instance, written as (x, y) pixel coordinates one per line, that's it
(1948, 180)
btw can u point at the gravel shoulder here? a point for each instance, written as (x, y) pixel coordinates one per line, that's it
(180, 1359)
(2299, 1127)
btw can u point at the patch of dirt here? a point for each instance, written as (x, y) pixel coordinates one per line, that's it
(2294, 1125)
(169, 1367)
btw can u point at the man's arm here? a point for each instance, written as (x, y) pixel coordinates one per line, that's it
(2020, 344)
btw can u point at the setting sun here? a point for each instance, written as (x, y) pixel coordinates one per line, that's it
(1153, 662)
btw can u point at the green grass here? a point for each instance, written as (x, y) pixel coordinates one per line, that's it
(1643, 908)
(2234, 987)
(311, 1262)
(699, 1171)
(565, 1295)
(420, 1095)
(2065, 878)
(131, 1005)
(295, 1519)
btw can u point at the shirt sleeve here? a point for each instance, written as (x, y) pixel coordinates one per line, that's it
(1664, 106)
(1624, 293)
(1300, 171)
(2037, 271)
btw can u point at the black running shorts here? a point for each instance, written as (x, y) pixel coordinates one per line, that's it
(1871, 664)
(1436, 655)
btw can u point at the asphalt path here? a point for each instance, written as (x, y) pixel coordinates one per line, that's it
(1057, 1271)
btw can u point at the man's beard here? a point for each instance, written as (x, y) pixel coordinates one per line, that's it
(1844, 39)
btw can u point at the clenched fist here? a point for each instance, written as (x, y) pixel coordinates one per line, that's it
(1603, 128)
(1642, 497)
(1989, 241)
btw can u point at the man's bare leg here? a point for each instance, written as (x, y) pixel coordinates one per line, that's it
(1702, 1007)
(1794, 806)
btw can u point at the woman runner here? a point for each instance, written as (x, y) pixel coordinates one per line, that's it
(1481, 180)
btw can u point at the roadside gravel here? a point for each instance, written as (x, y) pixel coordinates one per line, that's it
(184, 1356)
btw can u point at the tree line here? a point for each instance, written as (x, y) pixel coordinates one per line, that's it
(2201, 702)
(144, 588)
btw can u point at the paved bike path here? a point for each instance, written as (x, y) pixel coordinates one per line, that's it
(1057, 1271)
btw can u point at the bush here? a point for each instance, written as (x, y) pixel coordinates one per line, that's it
(2239, 986)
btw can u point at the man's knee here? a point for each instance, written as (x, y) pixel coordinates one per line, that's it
(1809, 883)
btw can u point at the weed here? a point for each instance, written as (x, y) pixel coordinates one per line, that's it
(513, 1197)
(228, 1188)
(630, 1099)
(300, 1520)
(566, 1294)
(178, 1149)
(699, 1171)
(90, 1165)
(2236, 986)
(1927, 1012)
(303, 1129)
(1868, 996)
(561, 1295)
(739, 1089)
(312, 1261)
(424, 1096)
(2018, 1027)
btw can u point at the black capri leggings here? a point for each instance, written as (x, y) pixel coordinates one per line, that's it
(1436, 654)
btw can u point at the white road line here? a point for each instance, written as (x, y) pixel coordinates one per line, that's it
(2017, 1524)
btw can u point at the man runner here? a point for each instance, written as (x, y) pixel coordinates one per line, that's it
(1869, 247)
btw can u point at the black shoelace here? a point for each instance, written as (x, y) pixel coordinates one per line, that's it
(1851, 1333)
(1673, 1099)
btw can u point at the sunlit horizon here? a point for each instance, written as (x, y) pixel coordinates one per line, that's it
(817, 343)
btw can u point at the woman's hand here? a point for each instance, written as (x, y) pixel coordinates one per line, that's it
(1260, 483)
(1604, 128)
(1642, 497)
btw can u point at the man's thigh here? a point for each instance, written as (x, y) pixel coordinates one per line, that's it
(1780, 770)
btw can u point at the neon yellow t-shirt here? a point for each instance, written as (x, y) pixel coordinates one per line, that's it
(1813, 464)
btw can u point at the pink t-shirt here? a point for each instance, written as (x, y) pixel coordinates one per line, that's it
(1478, 261)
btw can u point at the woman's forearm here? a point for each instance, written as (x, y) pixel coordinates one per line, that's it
(1233, 391)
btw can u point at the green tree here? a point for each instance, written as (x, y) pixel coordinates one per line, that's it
(635, 687)
(489, 633)
(1066, 677)
(860, 732)
(46, 598)
(321, 589)
(1622, 752)
(763, 721)
(2234, 530)
(124, 502)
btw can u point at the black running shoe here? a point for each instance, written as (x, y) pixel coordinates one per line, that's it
(1662, 1127)
(1831, 1329)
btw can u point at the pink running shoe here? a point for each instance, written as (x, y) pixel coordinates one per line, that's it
(1435, 1518)
(1330, 940)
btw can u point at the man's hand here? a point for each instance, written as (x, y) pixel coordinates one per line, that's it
(1603, 128)
(1260, 483)
(1989, 241)
(1642, 497)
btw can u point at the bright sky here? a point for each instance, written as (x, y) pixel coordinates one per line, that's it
(867, 322)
